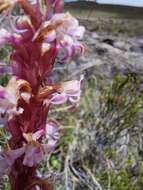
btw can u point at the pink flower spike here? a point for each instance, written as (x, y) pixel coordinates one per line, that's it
(41, 36)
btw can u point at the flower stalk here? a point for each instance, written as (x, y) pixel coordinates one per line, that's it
(39, 36)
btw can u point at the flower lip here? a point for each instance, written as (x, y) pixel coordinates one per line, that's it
(58, 99)
(52, 130)
(52, 134)
(69, 90)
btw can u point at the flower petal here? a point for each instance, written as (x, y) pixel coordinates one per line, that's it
(71, 88)
(52, 131)
(33, 154)
(58, 99)
(7, 158)
(53, 136)
(50, 146)
(78, 32)
(38, 134)
(50, 36)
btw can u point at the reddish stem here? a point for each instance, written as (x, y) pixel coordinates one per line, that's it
(23, 178)
(20, 176)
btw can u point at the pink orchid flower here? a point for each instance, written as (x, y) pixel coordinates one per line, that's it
(33, 154)
(10, 95)
(65, 30)
(33, 151)
(69, 90)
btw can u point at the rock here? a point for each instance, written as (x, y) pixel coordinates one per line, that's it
(137, 48)
(122, 45)
(109, 41)
(95, 35)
